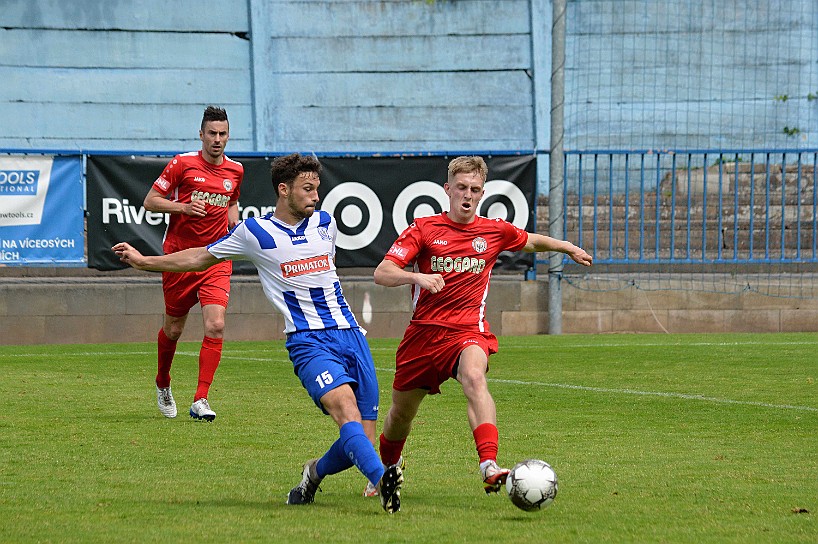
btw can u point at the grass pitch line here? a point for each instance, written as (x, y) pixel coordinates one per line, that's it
(663, 344)
(683, 396)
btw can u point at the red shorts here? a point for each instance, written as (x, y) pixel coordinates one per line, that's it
(184, 289)
(428, 354)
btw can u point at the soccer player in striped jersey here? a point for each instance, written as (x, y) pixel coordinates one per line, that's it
(200, 192)
(452, 255)
(293, 249)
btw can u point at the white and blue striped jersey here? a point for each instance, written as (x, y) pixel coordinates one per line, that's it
(296, 267)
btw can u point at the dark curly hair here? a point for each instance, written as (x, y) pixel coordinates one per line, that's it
(285, 169)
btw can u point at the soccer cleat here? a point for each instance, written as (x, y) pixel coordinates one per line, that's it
(201, 410)
(389, 488)
(372, 491)
(494, 477)
(164, 398)
(304, 492)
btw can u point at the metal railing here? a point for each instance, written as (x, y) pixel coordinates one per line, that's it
(693, 206)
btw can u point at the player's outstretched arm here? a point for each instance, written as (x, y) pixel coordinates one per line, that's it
(194, 259)
(390, 274)
(540, 242)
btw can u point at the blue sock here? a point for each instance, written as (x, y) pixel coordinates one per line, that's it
(334, 461)
(361, 452)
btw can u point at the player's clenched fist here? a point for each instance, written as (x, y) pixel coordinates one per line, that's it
(431, 282)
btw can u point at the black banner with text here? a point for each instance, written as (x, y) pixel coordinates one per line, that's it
(372, 198)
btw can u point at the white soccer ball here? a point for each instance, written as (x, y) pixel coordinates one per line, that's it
(532, 485)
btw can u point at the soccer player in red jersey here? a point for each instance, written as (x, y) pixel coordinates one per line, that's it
(200, 191)
(452, 255)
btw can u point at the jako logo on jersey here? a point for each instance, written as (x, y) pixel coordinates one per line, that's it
(397, 251)
(227, 184)
(440, 243)
(199, 179)
(305, 266)
(214, 199)
(479, 244)
(458, 264)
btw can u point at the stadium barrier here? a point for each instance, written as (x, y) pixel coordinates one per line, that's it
(701, 206)
(121, 308)
(712, 221)
(748, 234)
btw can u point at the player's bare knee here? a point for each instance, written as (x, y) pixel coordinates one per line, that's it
(472, 379)
(215, 329)
(174, 332)
(341, 405)
(399, 420)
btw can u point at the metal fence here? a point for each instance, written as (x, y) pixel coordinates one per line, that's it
(693, 206)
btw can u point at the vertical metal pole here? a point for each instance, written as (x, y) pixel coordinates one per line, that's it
(556, 165)
(254, 22)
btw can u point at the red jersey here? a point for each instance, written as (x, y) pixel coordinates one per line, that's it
(189, 177)
(464, 255)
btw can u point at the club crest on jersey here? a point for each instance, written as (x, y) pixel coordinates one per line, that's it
(324, 234)
(227, 184)
(319, 263)
(479, 244)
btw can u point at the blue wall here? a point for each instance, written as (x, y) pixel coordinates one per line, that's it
(122, 74)
(393, 75)
(405, 75)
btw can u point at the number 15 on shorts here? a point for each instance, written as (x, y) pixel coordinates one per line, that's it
(324, 379)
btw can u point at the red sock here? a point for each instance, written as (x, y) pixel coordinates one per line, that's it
(166, 349)
(209, 357)
(390, 450)
(486, 438)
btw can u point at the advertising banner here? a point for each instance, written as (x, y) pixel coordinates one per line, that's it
(372, 198)
(41, 211)
(116, 188)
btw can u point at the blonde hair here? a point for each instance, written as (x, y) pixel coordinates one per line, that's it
(468, 165)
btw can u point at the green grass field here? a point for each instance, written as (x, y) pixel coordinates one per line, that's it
(674, 438)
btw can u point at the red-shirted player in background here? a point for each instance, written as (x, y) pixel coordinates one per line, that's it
(200, 191)
(452, 254)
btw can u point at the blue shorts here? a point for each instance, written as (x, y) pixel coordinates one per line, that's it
(325, 359)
